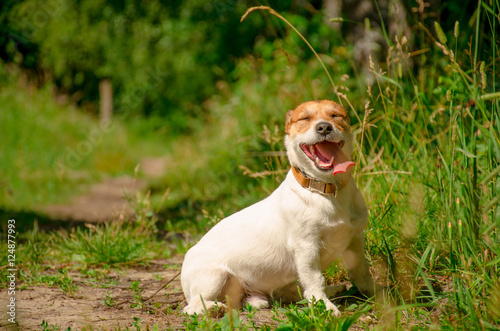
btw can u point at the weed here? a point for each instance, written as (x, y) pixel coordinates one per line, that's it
(108, 300)
(99, 276)
(46, 327)
(138, 300)
(137, 323)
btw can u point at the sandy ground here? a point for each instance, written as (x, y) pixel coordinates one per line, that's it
(86, 307)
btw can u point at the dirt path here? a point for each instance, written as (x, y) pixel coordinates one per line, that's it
(107, 200)
(93, 304)
(103, 202)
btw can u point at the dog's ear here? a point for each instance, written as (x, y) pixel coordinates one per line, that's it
(288, 122)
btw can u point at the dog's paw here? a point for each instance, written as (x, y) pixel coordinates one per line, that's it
(258, 302)
(215, 309)
(330, 306)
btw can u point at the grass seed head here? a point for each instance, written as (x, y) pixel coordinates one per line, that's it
(440, 33)
(456, 30)
(483, 75)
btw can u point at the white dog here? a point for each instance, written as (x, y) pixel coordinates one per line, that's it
(316, 215)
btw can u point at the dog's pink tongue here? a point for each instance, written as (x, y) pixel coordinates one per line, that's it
(341, 163)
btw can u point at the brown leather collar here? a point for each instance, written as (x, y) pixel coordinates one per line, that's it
(315, 185)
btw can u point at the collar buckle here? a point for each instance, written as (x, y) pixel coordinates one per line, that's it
(316, 186)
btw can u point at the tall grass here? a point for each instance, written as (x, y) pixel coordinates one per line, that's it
(428, 159)
(444, 216)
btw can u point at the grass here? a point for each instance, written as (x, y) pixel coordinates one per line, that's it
(60, 279)
(315, 317)
(428, 159)
(111, 243)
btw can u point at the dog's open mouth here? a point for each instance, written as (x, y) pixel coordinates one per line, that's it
(328, 155)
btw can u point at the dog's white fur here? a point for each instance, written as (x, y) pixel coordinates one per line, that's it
(261, 251)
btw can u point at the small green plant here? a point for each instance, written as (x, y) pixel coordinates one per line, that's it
(137, 323)
(250, 313)
(138, 300)
(46, 327)
(66, 283)
(99, 276)
(108, 300)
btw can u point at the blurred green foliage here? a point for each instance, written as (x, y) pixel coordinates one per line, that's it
(50, 150)
(163, 57)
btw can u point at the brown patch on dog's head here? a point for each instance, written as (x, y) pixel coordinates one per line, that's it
(300, 119)
(318, 139)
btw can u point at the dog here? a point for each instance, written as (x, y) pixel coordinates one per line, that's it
(316, 215)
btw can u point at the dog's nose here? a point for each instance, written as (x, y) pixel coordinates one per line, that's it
(324, 128)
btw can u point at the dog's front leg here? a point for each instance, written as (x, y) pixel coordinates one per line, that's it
(307, 260)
